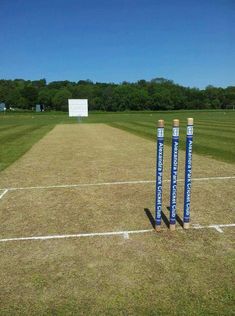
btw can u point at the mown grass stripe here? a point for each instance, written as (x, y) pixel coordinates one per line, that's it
(203, 135)
(213, 151)
(198, 127)
(17, 146)
(203, 144)
(8, 127)
(217, 123)
(18, 133)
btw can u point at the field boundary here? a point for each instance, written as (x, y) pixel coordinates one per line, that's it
(62, 186)
(125, 234)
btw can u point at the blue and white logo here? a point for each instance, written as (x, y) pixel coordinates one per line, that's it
(160, 132)
(189, 130)
(175, 132)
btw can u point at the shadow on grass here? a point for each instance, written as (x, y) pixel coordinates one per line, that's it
(178, 219)
(152, 220)
(164, 218)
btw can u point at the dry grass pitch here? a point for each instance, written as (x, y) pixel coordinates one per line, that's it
(170, 273)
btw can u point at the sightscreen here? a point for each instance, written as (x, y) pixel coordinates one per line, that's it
(78, 107)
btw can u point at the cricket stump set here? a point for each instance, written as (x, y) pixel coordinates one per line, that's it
(174, 173)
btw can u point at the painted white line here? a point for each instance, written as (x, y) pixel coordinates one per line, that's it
(61, 186)
(212, 178)
(216, 227)
(78, 235)
(123, 233)
(4, 192)
(196, 226)
(227, 225)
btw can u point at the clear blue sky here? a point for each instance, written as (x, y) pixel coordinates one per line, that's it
(189, 41)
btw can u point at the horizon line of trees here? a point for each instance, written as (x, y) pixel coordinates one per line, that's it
(156, 94)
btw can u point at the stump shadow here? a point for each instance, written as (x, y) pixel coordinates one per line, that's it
(164, 218)
(152, 220)
(177, 218)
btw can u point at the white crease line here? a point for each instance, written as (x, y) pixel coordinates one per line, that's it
(227, 225)
(79, 185)
(78, 235)
(4, 192)
(125, 234)
(216, 227)
(212, 178)
(110, 183)
(196, 226)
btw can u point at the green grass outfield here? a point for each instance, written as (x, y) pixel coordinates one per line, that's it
(214, 130)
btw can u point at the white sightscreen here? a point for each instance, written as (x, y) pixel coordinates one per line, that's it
(78, 107)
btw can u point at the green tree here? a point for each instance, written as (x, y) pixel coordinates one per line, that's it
(15, 100)
(45, 97)
(30, 94)
(60, 99)
(156, 94)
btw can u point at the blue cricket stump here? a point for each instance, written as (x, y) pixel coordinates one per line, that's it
(188, 172)
(174, 173)
(159, 174)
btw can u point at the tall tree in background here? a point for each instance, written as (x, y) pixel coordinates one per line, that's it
(60, 99)
(156, 94)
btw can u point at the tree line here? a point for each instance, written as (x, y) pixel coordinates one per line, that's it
(156, 94)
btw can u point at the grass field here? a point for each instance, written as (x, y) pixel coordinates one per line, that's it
(79, 179)
(214, 131)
